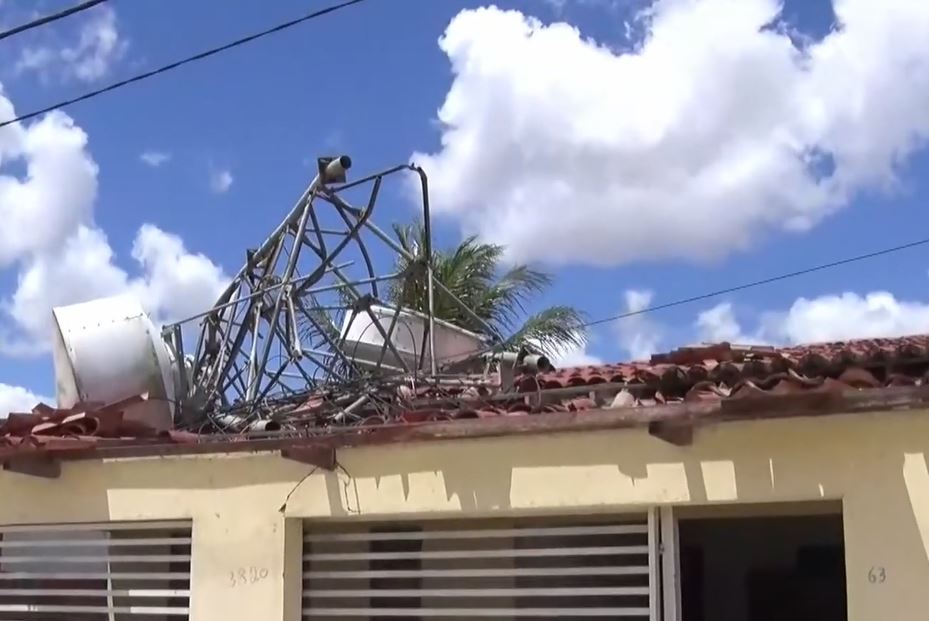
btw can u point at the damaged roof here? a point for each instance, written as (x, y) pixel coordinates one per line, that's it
(724, 370)
(668, 393)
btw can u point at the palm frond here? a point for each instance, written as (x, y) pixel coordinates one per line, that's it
(471, 272)
(504, 301)
(550, 331)
(410, 290)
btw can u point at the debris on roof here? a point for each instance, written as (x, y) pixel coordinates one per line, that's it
(672, 386)
(84, 425)
(308, 350)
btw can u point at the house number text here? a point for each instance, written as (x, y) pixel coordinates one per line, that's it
(243, 576)
(877, 575)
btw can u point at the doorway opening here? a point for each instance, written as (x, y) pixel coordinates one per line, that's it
(762, 568)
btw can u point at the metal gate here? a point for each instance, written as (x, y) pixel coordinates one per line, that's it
(549, 568)
(98, 572)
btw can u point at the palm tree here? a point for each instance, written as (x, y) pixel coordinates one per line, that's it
(472, 272)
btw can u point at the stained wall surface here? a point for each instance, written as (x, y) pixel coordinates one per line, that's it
(875, 465)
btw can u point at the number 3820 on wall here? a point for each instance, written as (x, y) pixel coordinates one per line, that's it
(243, 576)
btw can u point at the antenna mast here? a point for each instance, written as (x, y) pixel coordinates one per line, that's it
(308, 313)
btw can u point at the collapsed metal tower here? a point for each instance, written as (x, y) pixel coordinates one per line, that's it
(309, 312)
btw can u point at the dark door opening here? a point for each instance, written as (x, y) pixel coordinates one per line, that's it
(763, 569)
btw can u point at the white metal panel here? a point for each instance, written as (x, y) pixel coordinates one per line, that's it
(366, 343)
(91, 572)
(575, 568)
(654, 581)
(670, 565)
(107, 350)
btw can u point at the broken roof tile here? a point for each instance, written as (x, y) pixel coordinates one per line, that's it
(693, 375)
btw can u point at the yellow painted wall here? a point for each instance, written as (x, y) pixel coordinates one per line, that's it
(875, 464)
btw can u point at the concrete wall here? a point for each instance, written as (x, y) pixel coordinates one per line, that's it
(876, 465)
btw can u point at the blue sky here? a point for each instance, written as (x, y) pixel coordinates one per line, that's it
(238, 133)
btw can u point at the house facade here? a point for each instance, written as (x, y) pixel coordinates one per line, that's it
(725, 508)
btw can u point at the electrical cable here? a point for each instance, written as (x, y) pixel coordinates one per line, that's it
(211, 52)
(48, 19)
(742, 287)
(758, 283)
(711, 294)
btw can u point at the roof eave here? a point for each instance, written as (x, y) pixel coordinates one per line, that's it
(673, 423)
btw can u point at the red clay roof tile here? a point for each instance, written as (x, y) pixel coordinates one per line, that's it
(715, 372)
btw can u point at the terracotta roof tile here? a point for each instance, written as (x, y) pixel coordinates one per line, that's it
(693, 375)
(725, 363)
(83, 424)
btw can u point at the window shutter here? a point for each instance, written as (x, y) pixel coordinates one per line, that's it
(95, 572)
(492, 569)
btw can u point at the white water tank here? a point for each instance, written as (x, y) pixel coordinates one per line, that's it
(107, 350)
(363, 342)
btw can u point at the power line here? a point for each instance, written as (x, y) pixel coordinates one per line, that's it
(758, 283)
(48, 19)
(179, 63)
(742, 287)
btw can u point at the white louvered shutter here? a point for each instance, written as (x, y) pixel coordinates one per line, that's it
(493, 569)
(95, 572)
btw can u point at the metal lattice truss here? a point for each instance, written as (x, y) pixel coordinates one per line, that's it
(279, 330)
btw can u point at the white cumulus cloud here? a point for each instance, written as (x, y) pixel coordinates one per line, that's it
(714, 130)
(41, 208)
(220, 181)
(574, 356)
(90, 57)
(81, 269)
(61, 256)
(18, 399)
(155, 158)
(639, 336)
(825, 318)
(175, 283)
(719, 324)
(847, 316)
